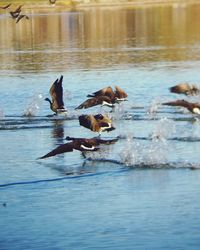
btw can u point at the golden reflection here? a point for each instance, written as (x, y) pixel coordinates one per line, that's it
(99, 37)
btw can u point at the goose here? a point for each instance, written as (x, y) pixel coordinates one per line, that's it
(96, 123)
(20, 17)
(6, 6)
(94, 101)
(185, 88)
(56, 92)
(104, 97)
(81, 144)
(14, 14)
(192, 107)
(117, 95)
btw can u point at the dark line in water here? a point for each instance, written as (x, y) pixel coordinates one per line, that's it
(57, 179)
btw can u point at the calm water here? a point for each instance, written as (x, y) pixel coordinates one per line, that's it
(141, 193)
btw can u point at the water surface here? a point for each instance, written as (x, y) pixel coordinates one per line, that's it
(140, 193)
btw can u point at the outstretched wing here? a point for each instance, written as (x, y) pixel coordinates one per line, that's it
(119, 93)
(180, 103)
(91, 102)
(86, 121)
(56, 92)
(107, 91)
(67, 147)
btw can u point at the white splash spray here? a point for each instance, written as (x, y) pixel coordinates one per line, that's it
(152, 111)
(34, 105)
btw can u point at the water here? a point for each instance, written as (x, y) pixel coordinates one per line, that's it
(140, 193)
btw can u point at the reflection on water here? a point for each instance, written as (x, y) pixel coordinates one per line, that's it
(97, 37)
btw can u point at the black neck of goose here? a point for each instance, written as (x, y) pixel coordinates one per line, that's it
(48, 100)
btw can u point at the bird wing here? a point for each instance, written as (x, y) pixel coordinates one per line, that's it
(119, 93)
(103, 141)
(107, 91)
(6, 6)
(91, 102)
(67, 147)
(56, 92)
(181, 103)
(86, 121)
(102, 118)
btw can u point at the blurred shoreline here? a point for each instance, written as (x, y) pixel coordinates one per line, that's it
(76, 4)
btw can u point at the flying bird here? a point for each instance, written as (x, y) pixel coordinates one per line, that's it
(117, 95)
(104, 97)
(20, 17)
(185, 88)
(81, 144)
(14, 14)
(56, 92)
(192, 107)
(96, 123)
(6, 6)
(94, 101)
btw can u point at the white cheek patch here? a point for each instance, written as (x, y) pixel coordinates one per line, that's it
(87, 148)
(196, 111)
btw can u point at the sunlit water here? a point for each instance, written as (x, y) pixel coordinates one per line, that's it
(140, 193)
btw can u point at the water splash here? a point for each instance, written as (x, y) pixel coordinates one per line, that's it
(152, 110)
(129, 154)
(34, 105)
(164, 128)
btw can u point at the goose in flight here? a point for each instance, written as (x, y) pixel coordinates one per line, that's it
(185, 88)
(56, 92)
(81, 144)
(192, 107)
(117, 95)
(104, 97)
(96, 123)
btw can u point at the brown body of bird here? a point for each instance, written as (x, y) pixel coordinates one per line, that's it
(185, 88)
(116, 95)
(192, 107)
(81, 144)
(56, 92)
(104, 97)
(97, 123)
(94, 101)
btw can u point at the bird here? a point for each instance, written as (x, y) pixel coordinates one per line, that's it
(14, 14)
(6, 6)
(52, 1)
(81, 144)
(104, 97)
(20, 17)
(117, 95)
(185, 88)
(96, 123)
(56, 92)
(93, 101)
(192, 107)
